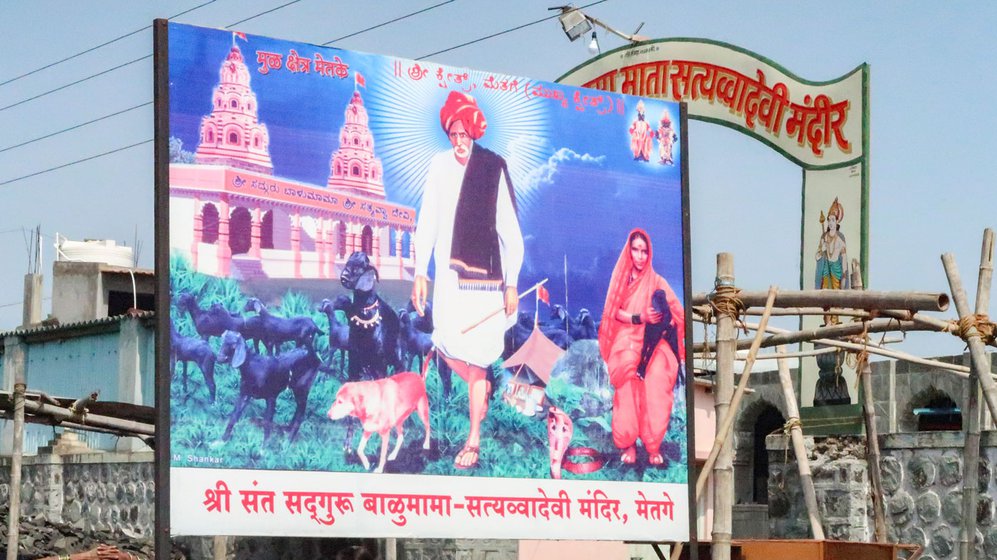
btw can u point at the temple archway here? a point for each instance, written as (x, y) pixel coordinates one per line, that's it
(240, 227)
(209, 223)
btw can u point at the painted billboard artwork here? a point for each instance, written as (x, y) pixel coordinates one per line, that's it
(412, 299)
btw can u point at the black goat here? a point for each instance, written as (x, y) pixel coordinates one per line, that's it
(275, 331)
(186, 349)
(303, 365)
(583, 327)
(416, 339)
(422, 322)
(209, 322)
(414, 342)
(373, 323)
(266, 377)
(339, 333)
(653, 333)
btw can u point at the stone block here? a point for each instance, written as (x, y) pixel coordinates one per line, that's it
(922, 472)
(929, 507)
(891, 475)
(952, 508)
(835, 503)
(950, 470)
(900, 508)
(943, 542)
(985, 510)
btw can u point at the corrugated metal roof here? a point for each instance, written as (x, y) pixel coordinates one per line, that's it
(80, 325)
(125, 270)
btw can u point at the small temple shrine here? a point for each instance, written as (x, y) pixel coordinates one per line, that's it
(233, 217)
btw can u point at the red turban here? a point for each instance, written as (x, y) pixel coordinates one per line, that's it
(462, 107)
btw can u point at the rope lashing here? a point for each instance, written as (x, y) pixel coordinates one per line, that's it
(981, 322)
(725, 300)
(787, 428)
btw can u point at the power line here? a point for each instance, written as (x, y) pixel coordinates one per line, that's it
(70, 84)
(116, 113)
(406, 16)
(480, 39)
(74, 127)
(231, 25)
(43, 171)
(510, 30)
(43, 94)
(21, 302)
(91, 49)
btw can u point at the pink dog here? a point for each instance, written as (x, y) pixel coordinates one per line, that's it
(381, 405)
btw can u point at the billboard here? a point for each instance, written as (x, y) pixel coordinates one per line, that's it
(408, 299)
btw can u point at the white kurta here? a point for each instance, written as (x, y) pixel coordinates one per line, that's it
(454, 308)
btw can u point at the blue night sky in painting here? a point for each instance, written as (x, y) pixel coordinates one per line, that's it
(579, 189)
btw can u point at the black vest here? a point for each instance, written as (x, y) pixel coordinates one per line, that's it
(474, 252)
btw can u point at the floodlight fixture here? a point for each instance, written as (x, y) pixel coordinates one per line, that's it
(573, 21)
(576, 23)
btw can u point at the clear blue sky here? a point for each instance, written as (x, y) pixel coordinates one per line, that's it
(932, 118)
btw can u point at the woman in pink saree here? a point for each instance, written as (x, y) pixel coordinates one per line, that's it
(643, 389)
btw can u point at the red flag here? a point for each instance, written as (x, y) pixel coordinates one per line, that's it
(241, 35)
(360, 81)
(543, 294)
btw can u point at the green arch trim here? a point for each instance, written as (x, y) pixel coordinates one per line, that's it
(863, 113)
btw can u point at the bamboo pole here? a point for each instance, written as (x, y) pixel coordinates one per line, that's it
(867, 299)
(725, 426)
(98, 421)
(983, 285)
(872, 451)
(219, 548)
(961, 371)
(977, 351)
(723, 469)
(800, 450)
(871, 432)
(971, 416)
(16, 360)
(971, 426)
(835, 331)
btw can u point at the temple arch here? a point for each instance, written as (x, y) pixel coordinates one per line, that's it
(209, 223)
(240, 231)
(367, 240)
(266, 230)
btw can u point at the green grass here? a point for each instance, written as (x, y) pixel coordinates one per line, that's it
(513, 445)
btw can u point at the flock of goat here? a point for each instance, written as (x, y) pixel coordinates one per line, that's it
(372, 340)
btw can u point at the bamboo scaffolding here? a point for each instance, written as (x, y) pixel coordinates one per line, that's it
(725, 425)
(67, 417)
(977, 351)
(871, 432)
(17, 453)
(723, 469)
(961, 371)
(800, 450)
(833, 331)
(867, 299)
(971, 418)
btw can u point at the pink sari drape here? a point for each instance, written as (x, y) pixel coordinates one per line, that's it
(641, 407)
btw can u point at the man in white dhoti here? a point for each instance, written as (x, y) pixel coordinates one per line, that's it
(467, 222)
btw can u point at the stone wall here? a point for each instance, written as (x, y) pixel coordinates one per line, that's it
(86, 490)
(840, 481)
(922, 485)
(922, 480)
